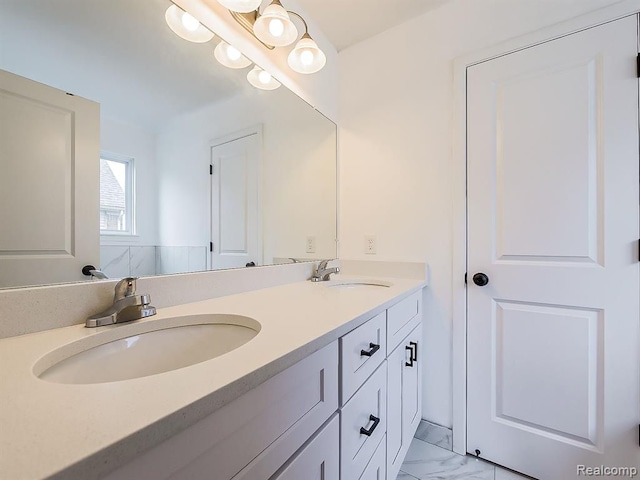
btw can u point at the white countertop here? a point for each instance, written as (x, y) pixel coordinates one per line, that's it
(85, 431)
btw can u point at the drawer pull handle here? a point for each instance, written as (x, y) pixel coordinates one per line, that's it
(413, 353)
(415, 350)
(374, 348)
(375, 420)
(410, 362)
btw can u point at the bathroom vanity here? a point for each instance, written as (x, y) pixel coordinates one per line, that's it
(329, 387)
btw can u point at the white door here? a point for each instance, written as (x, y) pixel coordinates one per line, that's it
(235, 203)
(553, 338)
(49, 183)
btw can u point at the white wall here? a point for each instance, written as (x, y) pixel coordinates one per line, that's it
(396, 101)
(299, 173)
(139, 144)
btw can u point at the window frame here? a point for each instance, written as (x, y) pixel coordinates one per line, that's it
(129, 194)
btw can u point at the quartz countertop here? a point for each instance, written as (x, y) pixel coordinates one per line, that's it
(63, 431)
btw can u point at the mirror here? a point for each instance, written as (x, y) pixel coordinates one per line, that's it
(194, 168)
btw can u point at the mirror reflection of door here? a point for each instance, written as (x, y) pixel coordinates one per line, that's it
(49, 144)
(236, 217)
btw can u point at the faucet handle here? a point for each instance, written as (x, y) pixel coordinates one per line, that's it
(323, 264)
(125, 288)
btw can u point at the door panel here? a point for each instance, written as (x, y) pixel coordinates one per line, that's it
(235, 203)
(531, 182)
(50, 151)
(553, 339)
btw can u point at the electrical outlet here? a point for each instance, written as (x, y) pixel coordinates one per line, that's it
(311, 244)
(370, 244)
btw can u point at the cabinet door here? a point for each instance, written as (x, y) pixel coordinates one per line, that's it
(376, 470)
(319, 460)
(404, 399)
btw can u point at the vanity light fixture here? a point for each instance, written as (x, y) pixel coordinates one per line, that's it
(186, 25)
(241, 6)
(262, 79)
(230, 56)
(274, 28)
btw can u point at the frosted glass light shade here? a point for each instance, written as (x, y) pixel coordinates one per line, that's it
(262, 79)
(186, 26)
(274, 26)
(306, 57)
(241, 6)
(230, 56)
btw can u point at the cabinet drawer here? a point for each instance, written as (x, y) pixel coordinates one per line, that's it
(318, 460)
(363, 423)
(402, 318)
(361, 352)
(278, 415)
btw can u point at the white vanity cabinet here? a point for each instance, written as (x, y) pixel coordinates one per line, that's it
(380, 362)
(253, 436)
(346, 412)
(319, 460)
(404, 399)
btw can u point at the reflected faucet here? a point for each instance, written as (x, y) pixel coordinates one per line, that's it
(127, 306)
(323, 273)
(90, 270)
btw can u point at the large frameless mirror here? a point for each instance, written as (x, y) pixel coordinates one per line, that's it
(127, 148)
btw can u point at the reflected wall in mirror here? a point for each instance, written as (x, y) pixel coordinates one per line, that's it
(158, 159)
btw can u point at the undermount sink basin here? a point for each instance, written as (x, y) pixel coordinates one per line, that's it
(161, 346)
(359, 284)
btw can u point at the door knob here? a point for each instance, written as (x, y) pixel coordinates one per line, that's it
(480, 279)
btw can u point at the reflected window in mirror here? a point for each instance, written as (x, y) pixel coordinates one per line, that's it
(116, 195)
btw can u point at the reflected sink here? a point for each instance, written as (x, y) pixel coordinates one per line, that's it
(163, 346)
(359, 284)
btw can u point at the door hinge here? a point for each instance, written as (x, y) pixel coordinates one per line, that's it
(638, 65)
(465, 278)
(211, 246)
(210, 169)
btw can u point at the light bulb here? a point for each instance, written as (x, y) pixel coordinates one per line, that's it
(264, 77)
(186, 25)
(306, 57)
(276, 27)
(190, 22)
(233, 53)
(230, 56)
(261, 79)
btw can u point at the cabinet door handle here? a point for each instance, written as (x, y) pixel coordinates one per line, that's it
(374, 348)
(375, 420)
(415, 351)
(411, 360)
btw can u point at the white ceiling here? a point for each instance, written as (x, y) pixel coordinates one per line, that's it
(346, 22)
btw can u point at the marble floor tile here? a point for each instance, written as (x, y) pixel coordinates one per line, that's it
(429, 462)
(405, 476)
(504, 474)
(435, 434)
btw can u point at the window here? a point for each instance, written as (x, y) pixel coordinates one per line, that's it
(116, 195)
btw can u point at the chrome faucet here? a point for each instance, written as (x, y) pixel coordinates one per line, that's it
(323, 273)
(127, 306)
